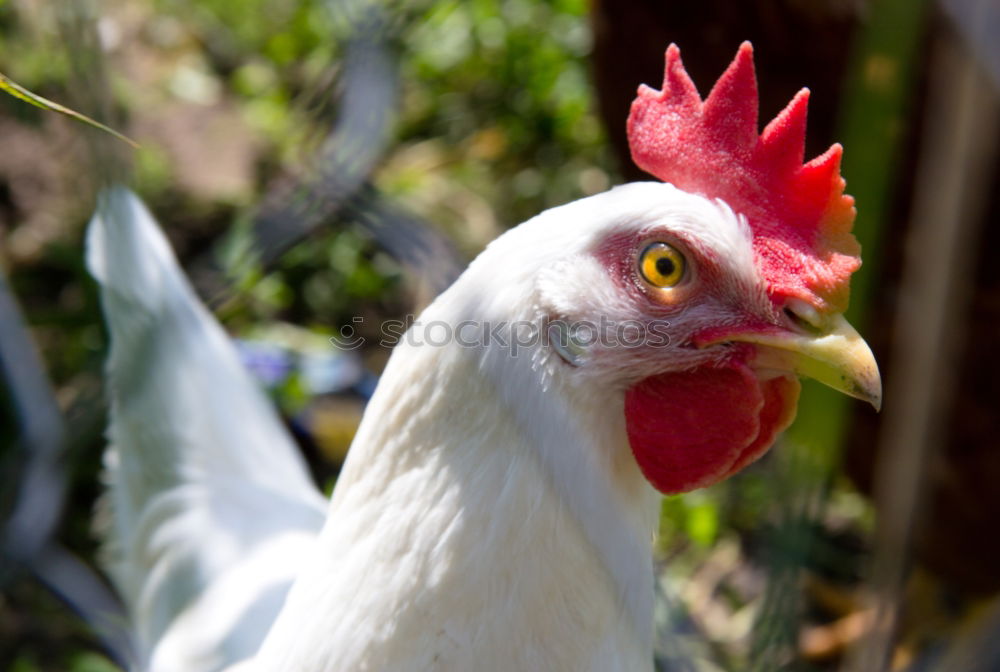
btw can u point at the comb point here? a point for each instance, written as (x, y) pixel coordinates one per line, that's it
(819, 180)
(783, 140)
(678, 87)
(731, 107)
(826, 166)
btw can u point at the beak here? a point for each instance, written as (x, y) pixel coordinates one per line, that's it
(836, 356)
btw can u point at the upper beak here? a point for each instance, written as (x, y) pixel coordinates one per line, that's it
(836, 356)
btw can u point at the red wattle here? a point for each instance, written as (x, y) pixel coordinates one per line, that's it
(781, 396)
(689, 430)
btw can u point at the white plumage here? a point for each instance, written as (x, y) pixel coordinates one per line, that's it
(490, 514)
(211, 508)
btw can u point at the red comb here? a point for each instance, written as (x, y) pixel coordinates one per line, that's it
(800, 217)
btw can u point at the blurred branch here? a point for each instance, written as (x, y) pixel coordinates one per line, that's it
(337, 187)
(875, 101)
(369, 93)
(40, 485)
(877, 97)
(28, 545)
(979, 24)
(428, 256)
(978, 648)
(85, 593)
(953, 175)
(27, 541)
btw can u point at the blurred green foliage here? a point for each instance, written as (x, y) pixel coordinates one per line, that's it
(503, 88)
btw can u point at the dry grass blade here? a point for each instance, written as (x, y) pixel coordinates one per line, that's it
(21, 93)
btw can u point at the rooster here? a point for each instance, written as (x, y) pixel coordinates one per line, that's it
(496, 507)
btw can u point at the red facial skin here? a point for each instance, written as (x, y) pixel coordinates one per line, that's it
(689, 429)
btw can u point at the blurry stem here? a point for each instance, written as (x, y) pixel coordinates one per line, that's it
(976, 648)
(876, 102)
(90, 90)
(953, 175)
(41, 486)
(875, 106)
(73, 581)
(873, 126)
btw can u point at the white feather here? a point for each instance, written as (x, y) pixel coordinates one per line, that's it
(203, 479)
(490, 514)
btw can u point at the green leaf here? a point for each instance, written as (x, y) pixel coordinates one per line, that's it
(92, 662)
(18, 91)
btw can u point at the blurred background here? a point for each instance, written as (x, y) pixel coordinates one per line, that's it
(316, 161)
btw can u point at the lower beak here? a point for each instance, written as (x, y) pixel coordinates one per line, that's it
(837, 356)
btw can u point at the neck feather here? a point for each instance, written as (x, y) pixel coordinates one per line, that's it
(579, 440)
(487, 502)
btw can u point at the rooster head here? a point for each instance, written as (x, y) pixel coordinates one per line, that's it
(705, 295)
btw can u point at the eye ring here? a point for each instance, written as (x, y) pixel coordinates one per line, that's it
(662, 265)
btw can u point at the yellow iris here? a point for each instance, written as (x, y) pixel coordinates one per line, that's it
(661, 265)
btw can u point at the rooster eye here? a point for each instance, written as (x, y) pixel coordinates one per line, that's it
(661, 265)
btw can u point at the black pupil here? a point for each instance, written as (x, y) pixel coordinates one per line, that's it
(665, 266)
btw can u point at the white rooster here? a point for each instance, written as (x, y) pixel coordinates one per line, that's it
(496, 507)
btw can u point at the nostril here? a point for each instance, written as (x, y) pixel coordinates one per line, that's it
(803, 315)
